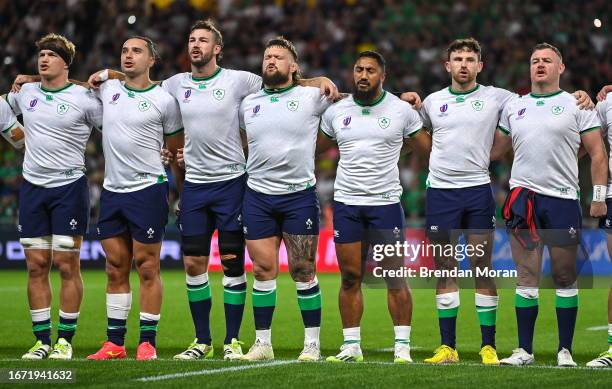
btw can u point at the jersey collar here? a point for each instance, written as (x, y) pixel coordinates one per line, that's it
(450, 89)
(139, 90)
(545, 95)
(68, 85)
(372, 103)
(279, 90)
(215, 74)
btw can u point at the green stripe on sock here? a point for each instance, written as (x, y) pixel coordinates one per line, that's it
(264, 299)
(566, 302)
(148, 328)
(402, 341)
(199, 293)
(351, 341)
(309, 302)
(66, 327)
(522, 302)
(41, 327)
(444, 313)
(487, 316)
(609, 339)
(234, 297)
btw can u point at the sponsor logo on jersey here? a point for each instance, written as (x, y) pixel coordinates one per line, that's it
(444, 108)
(384, 122)
(187, 94)
(293, 105)
(256, 110)
(557, 109)
(346, 121)
(521, 113)
(540, 103)
(33, 103)
(478, 105)
(219, 94)
(115, 98)
(62, 108)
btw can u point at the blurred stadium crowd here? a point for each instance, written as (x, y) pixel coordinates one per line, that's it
(411, 35)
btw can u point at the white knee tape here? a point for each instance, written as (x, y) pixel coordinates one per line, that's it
(66, 243)
(528, 292)
(447, 300)
(39, 243)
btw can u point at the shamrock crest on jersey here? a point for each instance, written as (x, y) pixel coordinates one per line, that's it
(218, 94)
(62, 108)
(292, 105)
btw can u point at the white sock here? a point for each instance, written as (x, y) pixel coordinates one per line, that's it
(352, 335)
(196, 280)
(118, 305)
(40, 314)
(264, 336)
(402, 334)
(67, 315)
(311, 335)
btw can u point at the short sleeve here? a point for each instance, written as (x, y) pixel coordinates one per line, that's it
(171, 118)
(7, 116)
(94, 110)
(13, 101)
(424, 113)
(413, 122)
(321, 102)
(171, 84)
(503, 97)
(587, 121)
(604, 111)
(327, 125)
(504, 119)
(252, 83)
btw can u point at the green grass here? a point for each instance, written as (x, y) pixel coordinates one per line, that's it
(176, 332)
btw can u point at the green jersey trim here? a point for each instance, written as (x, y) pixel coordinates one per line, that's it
(175, 132)
(9, 127)
(373, 103)
(545, 95)
(502, 129)
(456, 93)
(215, 74)
(279, 90)
(68, 85)
(139, 90)
(589, 130)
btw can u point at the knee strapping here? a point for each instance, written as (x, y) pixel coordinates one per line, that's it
(196, 246)
(232, 243)
(67, 243)
(38, 243)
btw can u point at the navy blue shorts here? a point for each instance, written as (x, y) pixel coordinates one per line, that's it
(559, 220)
(269, 215)
(143, 213)
(63, 210)
(352, 221)
(206, 207)
(606, 222)
(470, 208)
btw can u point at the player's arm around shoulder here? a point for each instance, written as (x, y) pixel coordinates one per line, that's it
(502, 140)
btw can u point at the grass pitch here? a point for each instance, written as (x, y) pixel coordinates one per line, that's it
(176, 332)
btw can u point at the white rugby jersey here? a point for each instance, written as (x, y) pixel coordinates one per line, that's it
(463, 127)
(604, 111)
(545, 131)
(281, 127)
(209, 109)
(134, 124)
(370, 139)
(9, 124)
(57, 124)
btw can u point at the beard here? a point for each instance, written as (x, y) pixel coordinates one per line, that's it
(203, 61)
(274, 78)
(366, 94)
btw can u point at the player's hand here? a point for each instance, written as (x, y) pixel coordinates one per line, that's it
(601, 96)
(413, 99)
(583, 101)
(329, 89)
(598, 209)
(166, 156)
(95, 80)
(180, 158)
(20, 80)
